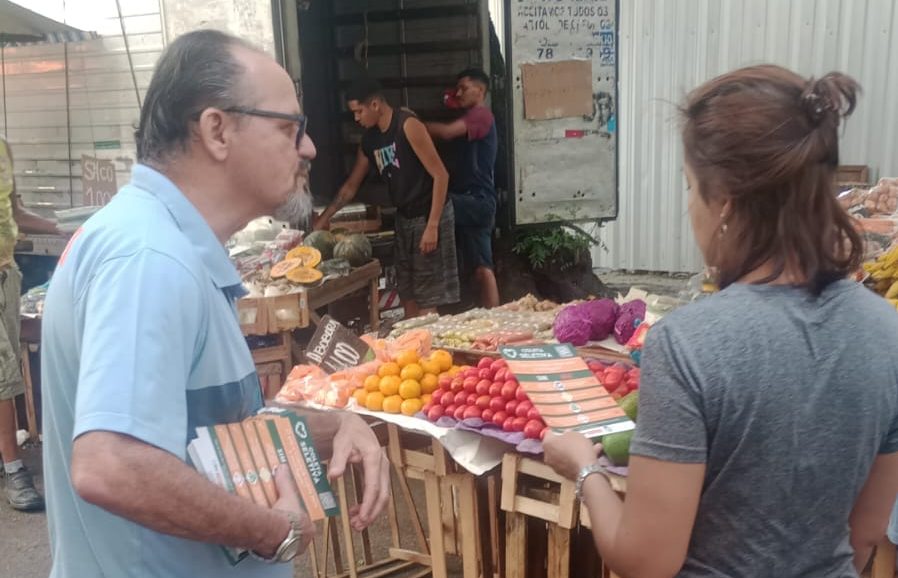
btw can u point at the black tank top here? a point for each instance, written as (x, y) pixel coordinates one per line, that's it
(409, 184)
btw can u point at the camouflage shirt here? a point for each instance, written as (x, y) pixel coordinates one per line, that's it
(9, 231)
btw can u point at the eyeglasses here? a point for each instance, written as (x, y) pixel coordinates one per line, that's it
(299, 119)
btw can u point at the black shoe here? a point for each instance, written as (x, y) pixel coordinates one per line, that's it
(21, 493)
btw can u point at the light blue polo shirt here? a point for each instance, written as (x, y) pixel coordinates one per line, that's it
(140, 337)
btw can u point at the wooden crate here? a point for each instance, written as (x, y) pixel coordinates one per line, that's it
(273, 364)
(542, 522)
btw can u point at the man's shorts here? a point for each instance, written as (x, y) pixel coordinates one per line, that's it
(475, 219)
(11, 383)
(429, 280)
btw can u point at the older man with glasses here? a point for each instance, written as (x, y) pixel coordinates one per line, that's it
(141, 343)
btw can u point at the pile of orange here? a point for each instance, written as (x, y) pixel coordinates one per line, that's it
(404, 385)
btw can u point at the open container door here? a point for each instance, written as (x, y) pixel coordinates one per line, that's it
(562, 57)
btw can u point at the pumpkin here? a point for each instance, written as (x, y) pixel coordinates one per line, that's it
(354, 248)
(324, 241)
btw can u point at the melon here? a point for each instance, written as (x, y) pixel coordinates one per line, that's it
(324, 241)
(354, 248)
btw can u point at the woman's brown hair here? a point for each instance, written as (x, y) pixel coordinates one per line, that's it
(766, 140)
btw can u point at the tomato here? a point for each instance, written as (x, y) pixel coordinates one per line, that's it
(533, 429)
(483, 402)
(485, 363)
(612, 380)
(495, 389)
(483, 387)
(448, 398)
(470, 384)
(486, 374)
(487, 415)
(500, 374)
(518, 423)
(459, 413)
(544, 433)
(499, 417)
(445, 382)
(511, 406)
(450, 410)
(523, 408)
(458, 384)
(499, 364)
(471, 399)
(436, 396)
(435, 413)
(508, 390)
(427, 406)
(521, 395)
(472, 412)
(497, 404)
(622, 391)
(534, 414)
(470, 372)
(508, 424)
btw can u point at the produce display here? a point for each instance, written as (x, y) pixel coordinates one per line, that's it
(490, 393)
(580, 323)
(406, 383)
(881, 199)
(619, 379)
(883, 273)
(616, 446)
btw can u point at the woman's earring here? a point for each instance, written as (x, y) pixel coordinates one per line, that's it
(723, 229)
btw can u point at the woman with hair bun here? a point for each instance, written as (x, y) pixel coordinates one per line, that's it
(767, 440)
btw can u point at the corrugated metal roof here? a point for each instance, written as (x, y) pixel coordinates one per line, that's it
(668, 47)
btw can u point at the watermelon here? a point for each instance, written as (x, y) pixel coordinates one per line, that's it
(354, 248)
(324, 241)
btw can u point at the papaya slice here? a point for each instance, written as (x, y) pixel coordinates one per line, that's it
(310, 256)
(304, 275)
(285, 266)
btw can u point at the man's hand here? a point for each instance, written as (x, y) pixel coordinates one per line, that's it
(429, 239)
(288, 501)
(356, 443)
(322, 223)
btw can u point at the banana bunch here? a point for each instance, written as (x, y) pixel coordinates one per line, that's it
(884, 273)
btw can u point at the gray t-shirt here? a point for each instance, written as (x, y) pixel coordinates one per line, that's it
(787, 399)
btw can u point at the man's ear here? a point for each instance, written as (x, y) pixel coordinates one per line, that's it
(214, 131)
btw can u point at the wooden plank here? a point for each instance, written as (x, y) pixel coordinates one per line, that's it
(510, 464)
(410, 556)
(492, 510)
(367, 553)
(338, 288)
(30, 412)
(450, 535)
(467, 512)
(313, 555)
(558, 565)
(348, 542)
(419, 460)
(537, 469)
(536, 509)
(335, 540)
(434, 521)
(515, 545)
(374, 306)
(567, 505)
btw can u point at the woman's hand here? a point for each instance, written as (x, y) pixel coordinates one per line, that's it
(569, 453)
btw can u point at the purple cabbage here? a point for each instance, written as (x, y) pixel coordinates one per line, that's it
(572, 326)
(601, 313)
(631, 315)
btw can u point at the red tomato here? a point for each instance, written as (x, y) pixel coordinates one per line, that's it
(508, 424)
(450, 410)
(495, 389)
(497, 404)
(622, 391)
(511, 379)
(457, 384)
(511, 406)
(499, 364)
(483, 387)
(485, 374)
(518, 423)
(487, 415)
(435, 413)
(470, 384)
(533, 429)
(500, 374)
(612, 380)
(485, 363)
(436, 396)
(521, 395)
(523, 409)
(445, 382)
(470, 372)
(499, 417)
(483, 402)
(459, 413)
(471, 399)
(534, 414)
(472, 412)
(447, 399)
(427, 407)
(508, 390)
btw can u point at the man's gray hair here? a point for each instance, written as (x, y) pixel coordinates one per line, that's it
(196, 71)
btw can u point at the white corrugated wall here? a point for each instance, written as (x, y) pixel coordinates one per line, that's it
(670, 46)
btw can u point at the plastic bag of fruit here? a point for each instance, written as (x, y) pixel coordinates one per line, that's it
(310, 384)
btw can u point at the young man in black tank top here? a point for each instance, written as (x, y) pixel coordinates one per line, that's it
(398, 145)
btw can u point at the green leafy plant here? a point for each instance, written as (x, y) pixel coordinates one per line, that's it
(562, 241)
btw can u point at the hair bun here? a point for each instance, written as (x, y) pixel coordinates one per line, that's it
(830, 97)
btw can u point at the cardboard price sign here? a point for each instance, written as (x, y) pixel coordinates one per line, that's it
(564, 390)
(334, 348)
(97, 181)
